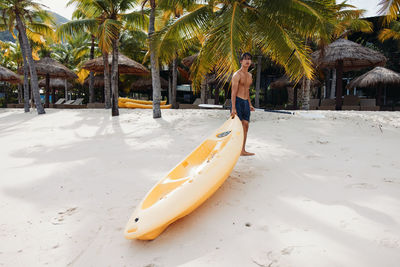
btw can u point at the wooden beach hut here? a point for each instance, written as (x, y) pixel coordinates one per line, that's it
(344, 55)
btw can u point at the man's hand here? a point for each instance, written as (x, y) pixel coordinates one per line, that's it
(252, 108)
(233, 113)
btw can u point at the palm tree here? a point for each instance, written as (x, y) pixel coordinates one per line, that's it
(106, 19)
(73, 29)
(155, 68)
(16, 14)
(346, 20)
(227, 28)
(167, 49)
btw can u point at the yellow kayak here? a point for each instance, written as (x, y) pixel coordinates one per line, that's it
(136, 105)
(189, 184)
(144, 102)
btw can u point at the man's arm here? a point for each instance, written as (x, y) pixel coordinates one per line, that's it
(235, 88)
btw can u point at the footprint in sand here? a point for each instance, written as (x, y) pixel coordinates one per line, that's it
(266, 259)
(287, 251)
(61, 215)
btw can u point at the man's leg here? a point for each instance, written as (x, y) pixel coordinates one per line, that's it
(245, 130)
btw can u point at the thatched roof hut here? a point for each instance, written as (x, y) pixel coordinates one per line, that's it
(344, 55)
(51, 68)
(353, 55)
(188, 61)
(56, 83)
(376, 77)
(7, 75)
(98, 81)
(125, 65)
(145, 84)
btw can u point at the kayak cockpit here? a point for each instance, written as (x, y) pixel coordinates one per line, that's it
(185, 171)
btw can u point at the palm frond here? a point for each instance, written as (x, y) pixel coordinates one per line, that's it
(136, 19)
(392, 33)
(109, 30)
(390, 8)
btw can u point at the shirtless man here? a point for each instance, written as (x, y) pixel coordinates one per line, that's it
(241, 104)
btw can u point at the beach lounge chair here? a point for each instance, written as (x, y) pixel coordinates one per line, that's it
(60, 101)
(78, 101)
(351, 102)
(368, 105)
(197, 101)
(69, 102)
(314, 103)
(327, 104)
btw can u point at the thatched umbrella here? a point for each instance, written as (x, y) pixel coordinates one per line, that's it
(379, 77)
(188, 61)
(56, 83)
(145, 84)
(98, 81)
(125, 65)
(50, 68)
(7, 75)
(345, 55)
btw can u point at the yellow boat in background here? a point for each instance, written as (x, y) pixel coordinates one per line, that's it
(144, 102)
(137, 105)
(189, 184)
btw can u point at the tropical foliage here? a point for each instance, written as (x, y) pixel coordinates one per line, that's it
(161, 32)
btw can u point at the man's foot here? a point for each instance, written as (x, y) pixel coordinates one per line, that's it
(245, 153)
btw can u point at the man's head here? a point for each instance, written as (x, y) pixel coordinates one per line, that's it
(245, 59)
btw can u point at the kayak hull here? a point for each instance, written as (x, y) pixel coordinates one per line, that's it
(141, 106)
(144, 102)
(189, 184)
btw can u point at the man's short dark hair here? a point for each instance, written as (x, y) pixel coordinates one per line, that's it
(246, 55)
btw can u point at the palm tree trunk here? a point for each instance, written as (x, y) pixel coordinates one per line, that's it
(258, 81)
(66, 89)
(26, 76)
(107, 101)
(114, 79)
(170, 84)
(20, 91)
(295, 96)
(91, 75)
(339, 84)
(20, 94)
(203, 88)
(306, 94)
(174, 81)
(216, 94)
(32, 68)
(53, 95)
(333, 85)
(155, 71)
(47, 99)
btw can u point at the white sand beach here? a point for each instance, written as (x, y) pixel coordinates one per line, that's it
(322, 190)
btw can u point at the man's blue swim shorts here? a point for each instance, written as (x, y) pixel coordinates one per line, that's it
(243, 109)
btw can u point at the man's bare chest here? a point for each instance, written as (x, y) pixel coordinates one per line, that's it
(245, 80)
